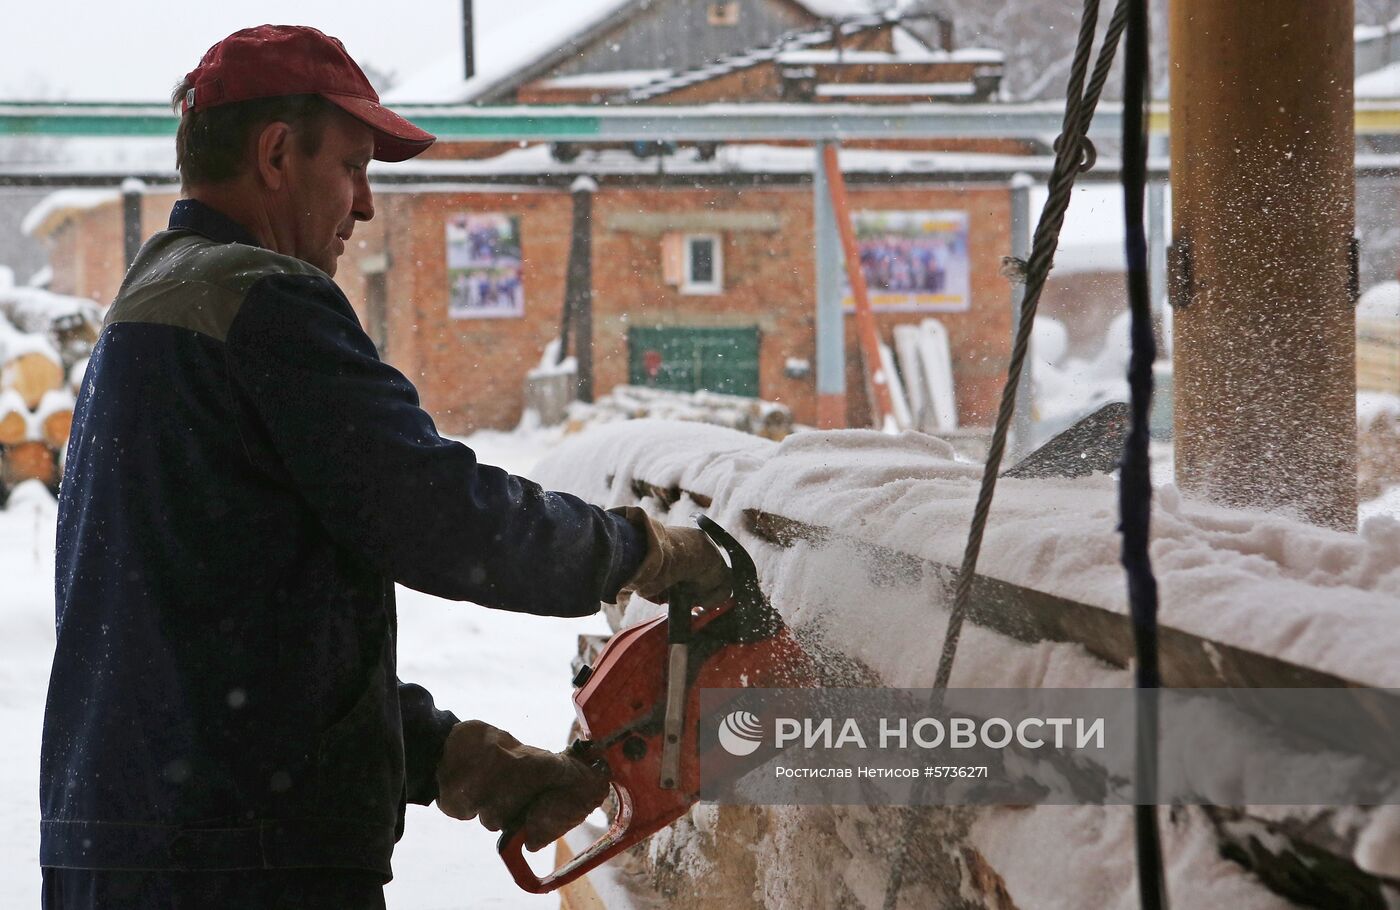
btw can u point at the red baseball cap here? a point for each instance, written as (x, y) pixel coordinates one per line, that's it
(272, 60)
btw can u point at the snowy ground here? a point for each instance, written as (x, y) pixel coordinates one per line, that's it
(509, 670)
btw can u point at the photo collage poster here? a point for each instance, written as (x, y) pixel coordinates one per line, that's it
(913, 261)
(483, 266)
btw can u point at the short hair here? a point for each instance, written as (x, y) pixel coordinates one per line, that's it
(212, 146)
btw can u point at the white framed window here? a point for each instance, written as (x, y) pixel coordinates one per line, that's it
(703, 264)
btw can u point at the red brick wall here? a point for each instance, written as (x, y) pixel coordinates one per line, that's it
(87, 251)
(471, 372)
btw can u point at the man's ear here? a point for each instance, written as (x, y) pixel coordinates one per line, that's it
(273, 144)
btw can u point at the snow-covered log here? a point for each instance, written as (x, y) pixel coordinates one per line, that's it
(54, 417)
(29, 460)
(70, 324)
(862, 530)
(29, 364)
(14, 417)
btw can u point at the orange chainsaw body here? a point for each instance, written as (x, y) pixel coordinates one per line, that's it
(739, 643)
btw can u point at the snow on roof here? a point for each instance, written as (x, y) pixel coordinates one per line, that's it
(789, 42)
(506, 43)
(897, 89)
(906, 55)
(612, 79)
(836, 9)
(54, 208)
(735, 159)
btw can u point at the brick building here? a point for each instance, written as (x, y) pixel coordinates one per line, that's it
(702, 256)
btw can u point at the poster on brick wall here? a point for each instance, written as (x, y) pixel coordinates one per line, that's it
(483, 267)
(914, 262)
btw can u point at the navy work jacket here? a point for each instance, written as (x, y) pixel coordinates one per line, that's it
(244, 484)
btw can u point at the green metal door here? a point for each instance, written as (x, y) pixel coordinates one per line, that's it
(686, 359)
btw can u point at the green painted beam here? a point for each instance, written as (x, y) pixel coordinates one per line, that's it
(716, 123)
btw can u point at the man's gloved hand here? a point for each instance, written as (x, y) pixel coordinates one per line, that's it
(676, 556)
(488, 773)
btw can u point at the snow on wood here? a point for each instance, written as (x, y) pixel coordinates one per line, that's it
(1263, 582)
(1318, 598)
(1321, 599)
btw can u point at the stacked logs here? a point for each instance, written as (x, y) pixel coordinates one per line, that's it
(768, 419)
(44, 343)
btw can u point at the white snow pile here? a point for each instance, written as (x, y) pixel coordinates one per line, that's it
(1257, 581)
(551, 365)
(1381, 301)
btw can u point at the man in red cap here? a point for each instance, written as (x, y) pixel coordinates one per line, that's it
(245, 483)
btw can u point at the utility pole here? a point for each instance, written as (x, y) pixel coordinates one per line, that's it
(1263, 213)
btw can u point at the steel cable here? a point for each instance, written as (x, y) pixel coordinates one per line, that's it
(1073, 154)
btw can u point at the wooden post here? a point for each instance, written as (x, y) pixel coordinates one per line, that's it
(877, 382)
(579, 291)
(831, 321)
(1263, 213)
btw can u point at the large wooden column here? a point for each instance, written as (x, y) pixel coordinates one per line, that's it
(1263, 214)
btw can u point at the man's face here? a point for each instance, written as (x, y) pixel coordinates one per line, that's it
(329, 191)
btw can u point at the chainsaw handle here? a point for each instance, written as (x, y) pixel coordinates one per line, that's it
(511, 847)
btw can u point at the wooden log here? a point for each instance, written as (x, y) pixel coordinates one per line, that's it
(29, 460)
(14, 418)
(54, 417)
(31, 374)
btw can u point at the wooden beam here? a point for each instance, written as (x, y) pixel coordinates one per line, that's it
(1263, 212)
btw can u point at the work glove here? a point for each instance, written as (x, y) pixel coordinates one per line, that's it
(676, 556)
(487, 773)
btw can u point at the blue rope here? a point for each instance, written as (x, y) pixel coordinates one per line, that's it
(1135, 481)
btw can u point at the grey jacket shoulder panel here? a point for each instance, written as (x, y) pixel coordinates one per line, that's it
(186, 280)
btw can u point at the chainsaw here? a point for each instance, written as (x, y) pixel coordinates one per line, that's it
(638, 708)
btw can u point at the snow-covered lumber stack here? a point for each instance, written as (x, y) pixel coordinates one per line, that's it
(1378, 339)
(855, 534)
(628, 402)
(44, 342)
